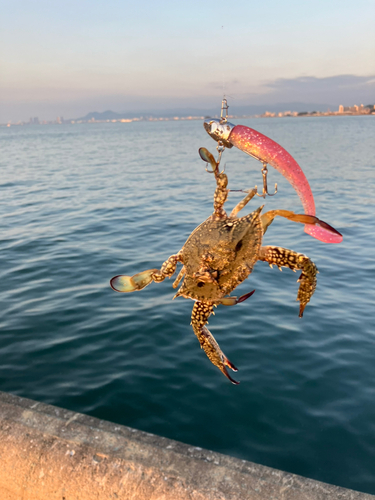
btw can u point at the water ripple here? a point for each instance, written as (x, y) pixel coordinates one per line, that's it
(83, 203)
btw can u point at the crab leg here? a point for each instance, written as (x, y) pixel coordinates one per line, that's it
(243, 203)
(265, 149)
(127, 284)
(221, 191)
(179, 277)
(309, 220)
(199, 316)
(282, 257)
(220, 196)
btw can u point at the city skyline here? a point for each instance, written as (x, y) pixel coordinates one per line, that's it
(69, 59)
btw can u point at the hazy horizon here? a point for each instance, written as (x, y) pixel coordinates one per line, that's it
(68, 59)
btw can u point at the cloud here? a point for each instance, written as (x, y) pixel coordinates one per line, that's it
(338, 89)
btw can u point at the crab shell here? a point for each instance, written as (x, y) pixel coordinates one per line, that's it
(219, 255)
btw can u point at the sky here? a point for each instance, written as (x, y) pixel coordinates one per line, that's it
(67, 58)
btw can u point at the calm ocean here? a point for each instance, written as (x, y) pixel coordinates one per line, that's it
(82, 203)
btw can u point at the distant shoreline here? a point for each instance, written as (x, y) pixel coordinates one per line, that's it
(352, 111)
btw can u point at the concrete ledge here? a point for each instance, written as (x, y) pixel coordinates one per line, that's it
(48, 453)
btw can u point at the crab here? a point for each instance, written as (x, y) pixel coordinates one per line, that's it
(219, 255)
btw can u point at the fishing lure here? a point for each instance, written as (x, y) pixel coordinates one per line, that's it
(267, 151)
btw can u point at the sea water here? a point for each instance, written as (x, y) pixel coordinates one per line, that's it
(81, 203)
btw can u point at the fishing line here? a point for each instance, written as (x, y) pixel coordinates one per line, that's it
(222, 64)
(224, 71)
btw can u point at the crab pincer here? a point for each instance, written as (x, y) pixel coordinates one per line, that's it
(215, 354)
(199, 316)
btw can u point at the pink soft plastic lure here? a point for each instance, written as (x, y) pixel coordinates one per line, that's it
(265, 149)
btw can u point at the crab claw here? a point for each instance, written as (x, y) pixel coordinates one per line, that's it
(215, 354)
(228, 363)
(127, 284)
(232, 301)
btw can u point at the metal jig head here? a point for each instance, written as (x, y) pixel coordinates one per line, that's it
(265, 187)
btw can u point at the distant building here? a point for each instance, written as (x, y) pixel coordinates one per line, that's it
(341, 108)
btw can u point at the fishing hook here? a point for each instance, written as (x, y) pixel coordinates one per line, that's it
(265, 187)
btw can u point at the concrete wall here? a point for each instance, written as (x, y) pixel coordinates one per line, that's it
(48, 453)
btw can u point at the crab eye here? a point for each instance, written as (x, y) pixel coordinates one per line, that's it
(200, 284)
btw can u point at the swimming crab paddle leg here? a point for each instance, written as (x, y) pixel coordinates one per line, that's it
(127, 284)
(199, 316)
(266, 150)
(208, 158)
(282, 257)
